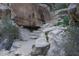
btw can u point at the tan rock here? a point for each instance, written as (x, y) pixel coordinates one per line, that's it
(30, 14)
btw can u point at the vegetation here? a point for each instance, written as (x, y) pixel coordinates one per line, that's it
(72, 44)
(8, 31)
(71, 21)
(72, 41)
(63, 22)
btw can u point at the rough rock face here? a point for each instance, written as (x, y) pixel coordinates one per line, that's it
(41, 46)
(55, 43)
(30, 14)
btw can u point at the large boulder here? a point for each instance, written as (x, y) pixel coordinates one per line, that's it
(51, 40)
(41, 46)
(56, 42)
(29, 14)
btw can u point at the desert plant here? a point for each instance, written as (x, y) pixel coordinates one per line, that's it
(63, 22)
(9, 32)
(72, 45)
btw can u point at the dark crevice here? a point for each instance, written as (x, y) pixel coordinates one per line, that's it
(31, 28)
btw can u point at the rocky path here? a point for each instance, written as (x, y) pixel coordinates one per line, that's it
(24, 47)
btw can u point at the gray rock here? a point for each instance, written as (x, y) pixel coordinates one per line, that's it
(55, 41)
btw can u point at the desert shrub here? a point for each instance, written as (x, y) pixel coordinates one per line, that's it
(60, 6)
(9, 28)
(8, 31)
(72, 45)
(63, 22)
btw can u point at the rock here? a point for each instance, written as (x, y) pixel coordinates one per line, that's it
(3, 7)
(4, 52)
(22, 48)
(72, 7)
(24, 33)
(30, 14)
(40, 51)
(35, 34)
(34, 37)
(49, 27)
(56, 42)
(41, 41)
(41, 46)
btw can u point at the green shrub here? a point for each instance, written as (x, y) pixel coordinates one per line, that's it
(63, 22)
(8, 31)
(72, 45)
(60, 6)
